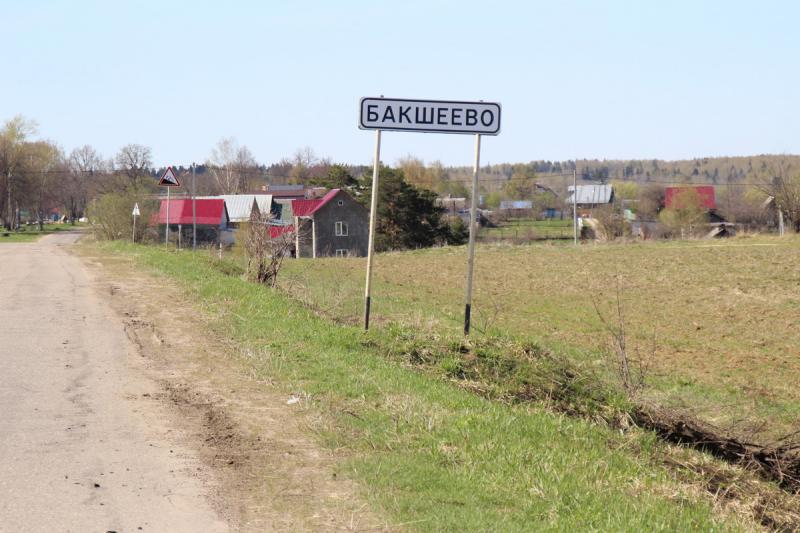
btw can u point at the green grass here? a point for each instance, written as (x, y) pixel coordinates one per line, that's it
(31, 233)
(429, 454)
(720, 315)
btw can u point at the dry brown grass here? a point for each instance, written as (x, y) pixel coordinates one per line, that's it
(724, 313)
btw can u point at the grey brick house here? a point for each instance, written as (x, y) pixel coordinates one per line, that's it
(334, 225)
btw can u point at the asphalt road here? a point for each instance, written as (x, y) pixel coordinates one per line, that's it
(83, 446)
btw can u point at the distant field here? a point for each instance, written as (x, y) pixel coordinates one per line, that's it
(716, 321)
(32, 233)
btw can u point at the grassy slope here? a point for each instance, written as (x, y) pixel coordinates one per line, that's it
(723, 313)
(433, 456)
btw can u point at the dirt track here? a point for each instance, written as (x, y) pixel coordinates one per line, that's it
(83, 447)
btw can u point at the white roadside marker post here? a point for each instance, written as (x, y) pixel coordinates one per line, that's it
(473, 229)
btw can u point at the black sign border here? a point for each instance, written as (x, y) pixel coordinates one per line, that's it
(361, 125)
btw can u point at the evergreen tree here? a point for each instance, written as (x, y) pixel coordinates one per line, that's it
(337, 177)
(408, 217)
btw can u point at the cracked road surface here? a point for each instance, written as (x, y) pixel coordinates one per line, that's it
(83, 446)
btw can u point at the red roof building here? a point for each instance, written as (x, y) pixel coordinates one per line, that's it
(209, 212)
(335, 224)
(306, 208)
(674, 197)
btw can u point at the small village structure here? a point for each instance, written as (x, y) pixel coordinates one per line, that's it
(211, 216)
(589, 197)
(705, 197)
(676, 197)
(242, 207)
(334, 225)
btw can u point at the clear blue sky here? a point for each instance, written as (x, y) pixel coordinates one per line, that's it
(613, 79)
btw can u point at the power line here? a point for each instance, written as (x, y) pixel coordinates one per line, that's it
(499, 179)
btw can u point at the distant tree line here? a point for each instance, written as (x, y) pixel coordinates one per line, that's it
(38, 179)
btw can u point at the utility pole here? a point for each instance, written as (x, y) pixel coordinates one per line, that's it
(10, 221)
(194, 211)
(575, 204)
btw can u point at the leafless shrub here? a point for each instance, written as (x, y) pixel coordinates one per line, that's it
(610, 223)
(630, 365)
(266, 249)
(487, 315)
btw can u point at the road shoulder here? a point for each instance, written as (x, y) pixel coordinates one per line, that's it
(272, 473)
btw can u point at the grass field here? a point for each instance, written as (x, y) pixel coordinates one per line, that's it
(433, 456)
(32, 233)
(528, 229)
(716, 322)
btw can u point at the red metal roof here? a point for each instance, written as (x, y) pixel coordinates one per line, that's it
(672, 196)
(210, 212)
(306, 208)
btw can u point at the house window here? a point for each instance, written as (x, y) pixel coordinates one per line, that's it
(341, 253)
(340, 203)
(341, 229)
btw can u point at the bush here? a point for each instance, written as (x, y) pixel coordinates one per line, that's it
(111, 216)
(611, 223)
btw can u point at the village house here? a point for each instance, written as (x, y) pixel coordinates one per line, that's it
(705, 196)
(242, 207)
(675, 197)
(210, 215)
(334, 225)
(588, 197)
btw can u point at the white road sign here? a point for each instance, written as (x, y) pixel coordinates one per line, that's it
(431, 116)
(169, 179)
(136, 212)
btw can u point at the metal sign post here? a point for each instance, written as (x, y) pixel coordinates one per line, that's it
(427, 116)
(373, 206)
(168, 180)
(194, 210)
(473, 229)
(166, 228)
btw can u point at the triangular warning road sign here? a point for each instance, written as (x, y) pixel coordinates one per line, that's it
(169, 179)
(136, 211)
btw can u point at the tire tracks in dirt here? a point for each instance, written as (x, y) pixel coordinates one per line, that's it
(272, 474)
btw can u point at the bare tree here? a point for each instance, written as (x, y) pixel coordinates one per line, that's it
(134, 162)
(86, 159)
(266, 247)
(85, 165)
(231, 165)
(782, 183)
(13, 137)
(786, 191)
(302, 161)
(46, 164)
